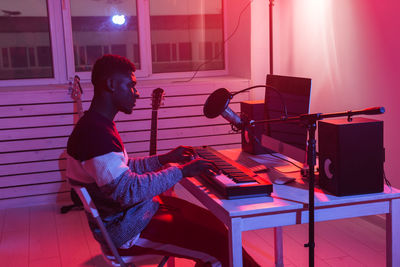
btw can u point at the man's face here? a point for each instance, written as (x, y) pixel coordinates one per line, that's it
(125, 93)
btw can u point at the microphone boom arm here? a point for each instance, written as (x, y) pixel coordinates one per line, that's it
(320, 116)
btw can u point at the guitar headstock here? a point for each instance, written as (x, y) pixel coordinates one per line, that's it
(76, 90)
(156, 98)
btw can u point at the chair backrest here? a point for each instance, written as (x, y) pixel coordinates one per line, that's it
(90, 207)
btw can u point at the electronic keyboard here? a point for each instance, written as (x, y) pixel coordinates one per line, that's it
(236, 180)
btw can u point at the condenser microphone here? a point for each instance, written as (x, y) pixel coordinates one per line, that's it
(217, 104)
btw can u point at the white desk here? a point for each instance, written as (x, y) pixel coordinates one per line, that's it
(288, 206)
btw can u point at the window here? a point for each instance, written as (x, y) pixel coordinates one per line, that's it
(103, 27)
(25, 40)
(186, 35)
(54, 39)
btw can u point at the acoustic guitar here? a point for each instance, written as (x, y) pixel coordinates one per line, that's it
(76, 93)
(156, 99)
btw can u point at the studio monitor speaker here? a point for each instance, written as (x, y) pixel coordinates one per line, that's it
(252, 110)
(351, 156)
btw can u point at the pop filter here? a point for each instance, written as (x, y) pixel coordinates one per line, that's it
(217, 104)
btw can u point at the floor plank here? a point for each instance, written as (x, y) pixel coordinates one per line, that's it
(14, 249)
(14, 246)
(16, 220)
(41, 236)
(344, 262)
(324, 249)
(73, 246)
(359, 228)
(260, 250)
(338, 235)
(2, 218)
(53, 262)
(43, 241)
(293, 249)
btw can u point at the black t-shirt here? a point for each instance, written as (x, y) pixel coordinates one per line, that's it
(94, 135)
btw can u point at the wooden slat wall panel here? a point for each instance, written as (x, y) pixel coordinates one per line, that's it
(39, 132)
(32, 178)
(33, 144)
(31, 156)
(35, 125)
(10, 123)
(31, 167)
(35, 190)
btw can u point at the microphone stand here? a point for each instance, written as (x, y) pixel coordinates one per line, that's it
(310, 122)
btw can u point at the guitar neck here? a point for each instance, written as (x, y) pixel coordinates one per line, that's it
(79, 108)
(153, 133)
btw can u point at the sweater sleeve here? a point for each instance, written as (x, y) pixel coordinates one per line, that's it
(131, 188)
(114, 177)
(144, 164)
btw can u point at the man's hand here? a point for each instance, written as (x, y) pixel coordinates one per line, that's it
(181, 154)
(199, 166)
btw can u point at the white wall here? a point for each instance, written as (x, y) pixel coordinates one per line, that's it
(350, 49)
(237, 19)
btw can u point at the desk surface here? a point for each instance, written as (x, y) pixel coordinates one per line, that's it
(288, 204)
(291, 196)
(238, 207)
(298, 191)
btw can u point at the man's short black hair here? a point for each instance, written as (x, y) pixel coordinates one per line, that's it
(108, 65)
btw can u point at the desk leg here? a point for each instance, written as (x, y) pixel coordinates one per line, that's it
(235, 243)
(393, 234)
(278, 238)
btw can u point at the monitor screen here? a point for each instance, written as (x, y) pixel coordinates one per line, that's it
(287, 138)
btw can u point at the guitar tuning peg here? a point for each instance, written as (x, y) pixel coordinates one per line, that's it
(70, 84)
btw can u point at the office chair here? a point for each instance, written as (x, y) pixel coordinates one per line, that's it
(115, 259)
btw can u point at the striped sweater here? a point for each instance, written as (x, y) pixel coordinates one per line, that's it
(123, 189)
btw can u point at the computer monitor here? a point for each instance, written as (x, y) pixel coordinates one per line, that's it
(287, 138)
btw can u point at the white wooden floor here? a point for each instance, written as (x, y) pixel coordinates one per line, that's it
(40, 236)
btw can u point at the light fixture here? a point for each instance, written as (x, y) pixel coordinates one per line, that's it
(118, 19)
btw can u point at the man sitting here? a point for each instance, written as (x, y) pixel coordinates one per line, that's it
(127, 191)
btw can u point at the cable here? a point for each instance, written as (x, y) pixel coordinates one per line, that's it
(387, 182)
(267, 87)
(223, 45)
(291, 162)
(270, 153)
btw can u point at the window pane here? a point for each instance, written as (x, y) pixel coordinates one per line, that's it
(185, 34)
(104, 27)
(25, 40)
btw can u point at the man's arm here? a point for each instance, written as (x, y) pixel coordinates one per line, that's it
(180, 154)
(131, 188)
(114, 177)
(144, 164)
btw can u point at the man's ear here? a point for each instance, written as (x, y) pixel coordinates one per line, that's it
(110, 84)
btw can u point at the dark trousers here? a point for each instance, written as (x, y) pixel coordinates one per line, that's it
(182, 229)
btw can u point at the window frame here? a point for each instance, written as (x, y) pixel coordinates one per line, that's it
(60, 25)
(57, 50)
